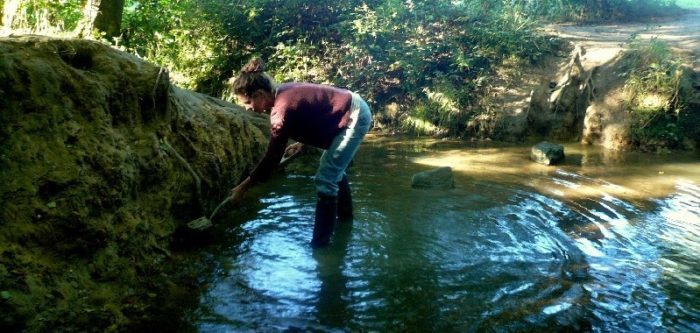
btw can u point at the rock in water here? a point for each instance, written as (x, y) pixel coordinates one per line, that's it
(440, 178)
(547, 153)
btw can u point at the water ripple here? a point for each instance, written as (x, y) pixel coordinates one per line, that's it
(560, 250)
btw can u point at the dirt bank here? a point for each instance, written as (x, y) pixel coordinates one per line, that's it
(584, 93)
(613, 60)
(603, 42)
(101, 161)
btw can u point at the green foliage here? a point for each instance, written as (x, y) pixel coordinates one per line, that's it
(297, 62)
(404, 52)
(44, 16)
(653, 94)
(597, 10)
(391, 51)
(177, 35)
(441, 111)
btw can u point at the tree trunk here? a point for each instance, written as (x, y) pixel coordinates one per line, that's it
(105, 16)
(9, 10)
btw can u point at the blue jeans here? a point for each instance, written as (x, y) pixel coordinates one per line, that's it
(337, 157)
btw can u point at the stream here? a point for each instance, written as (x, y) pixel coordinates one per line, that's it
(606, 242)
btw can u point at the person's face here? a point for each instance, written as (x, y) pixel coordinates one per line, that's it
(259, 102)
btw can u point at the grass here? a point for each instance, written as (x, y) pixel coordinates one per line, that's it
(653, 90)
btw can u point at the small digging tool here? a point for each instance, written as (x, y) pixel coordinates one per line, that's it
(204, 222)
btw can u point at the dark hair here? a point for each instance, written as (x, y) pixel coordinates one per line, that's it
(252, 78)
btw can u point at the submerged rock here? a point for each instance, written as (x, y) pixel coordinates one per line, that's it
(440, 178)
(547, 153)
(101, 160)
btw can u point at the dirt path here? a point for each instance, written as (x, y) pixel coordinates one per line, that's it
(603, 42)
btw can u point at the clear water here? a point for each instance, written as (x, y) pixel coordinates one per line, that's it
(606, 242)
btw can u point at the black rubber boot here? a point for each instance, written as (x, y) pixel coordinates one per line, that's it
(344, 200)
(326, 207)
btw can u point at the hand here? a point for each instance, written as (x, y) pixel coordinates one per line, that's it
(239, 191)
(293, 149)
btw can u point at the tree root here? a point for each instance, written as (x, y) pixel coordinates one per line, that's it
(575, 61)
(571, 78)
(588, 84)
(155, 86)
(183, 161)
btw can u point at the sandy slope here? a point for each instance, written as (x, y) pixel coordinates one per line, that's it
(604, 41)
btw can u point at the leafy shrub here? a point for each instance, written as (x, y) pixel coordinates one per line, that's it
(410, 53)
(598, 10)
(401, 52)
(43, 17)
(653, 94)
(177, 35)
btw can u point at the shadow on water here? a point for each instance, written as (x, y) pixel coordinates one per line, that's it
(605, 242)
(333, 308)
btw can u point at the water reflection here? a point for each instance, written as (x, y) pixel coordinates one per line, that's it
(680, 236)
(332, 306)
(600, 243)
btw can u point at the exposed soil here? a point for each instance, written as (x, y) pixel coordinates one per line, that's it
(580, 96)
(604, 42)
(606, 121)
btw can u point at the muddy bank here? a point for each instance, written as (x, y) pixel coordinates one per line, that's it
(101, 161)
